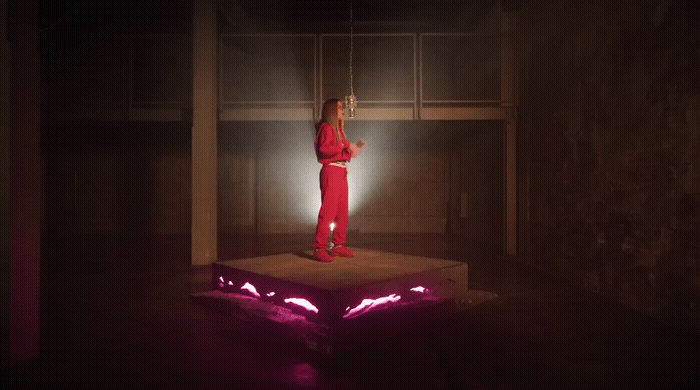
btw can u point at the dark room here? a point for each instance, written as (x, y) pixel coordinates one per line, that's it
(350, 194)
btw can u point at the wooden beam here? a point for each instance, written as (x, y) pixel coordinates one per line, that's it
(509, 102)
(204, 126)
(463, 113)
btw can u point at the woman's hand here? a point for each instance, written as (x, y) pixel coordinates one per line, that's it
(354, 150)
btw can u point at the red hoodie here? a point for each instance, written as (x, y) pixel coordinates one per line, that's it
(327, 147)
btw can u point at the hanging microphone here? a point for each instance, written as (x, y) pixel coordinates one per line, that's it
(351, 104)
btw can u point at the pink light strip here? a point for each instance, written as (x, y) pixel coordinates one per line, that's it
(303, 303)
(249, 287)
(367, 304)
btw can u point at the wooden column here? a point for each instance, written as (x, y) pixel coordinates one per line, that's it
(204, 124)
(24, 177)
(509, 100)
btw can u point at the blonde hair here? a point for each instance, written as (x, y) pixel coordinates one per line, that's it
(329, 114)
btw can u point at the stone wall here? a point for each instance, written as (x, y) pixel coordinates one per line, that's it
(610, 112)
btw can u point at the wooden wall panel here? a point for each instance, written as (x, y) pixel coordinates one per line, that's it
(161, 70)
(460, 67)
(96, 83)
(383, 67)
(135, 178)
(267, 68)
(171, 199)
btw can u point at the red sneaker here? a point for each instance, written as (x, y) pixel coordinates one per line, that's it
(342, 251)
(322, 256)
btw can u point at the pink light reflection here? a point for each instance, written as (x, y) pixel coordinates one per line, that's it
(419, 289)
(270, 294)
(368, 304)
(302, 375)
(221, 279)
(230, 283)
(250, 288)
(303, 303)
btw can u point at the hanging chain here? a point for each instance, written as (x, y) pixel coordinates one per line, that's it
(352, 93)
(351, 101)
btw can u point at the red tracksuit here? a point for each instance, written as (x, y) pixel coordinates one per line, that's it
(334, 186)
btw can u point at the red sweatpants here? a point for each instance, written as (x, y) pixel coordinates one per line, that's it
(334, 206)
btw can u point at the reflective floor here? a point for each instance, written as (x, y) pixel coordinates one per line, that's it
(117, 313)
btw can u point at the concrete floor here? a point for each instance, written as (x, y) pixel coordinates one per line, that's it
(118, 314)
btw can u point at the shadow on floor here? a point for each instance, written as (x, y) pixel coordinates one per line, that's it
(118, 314)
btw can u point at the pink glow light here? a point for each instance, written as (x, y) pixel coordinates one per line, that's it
(419, 289)
(230, 283)
(303, 303)
(221, 279)
(250, 288)
(270, 294)
(368, 304)
(302, 375)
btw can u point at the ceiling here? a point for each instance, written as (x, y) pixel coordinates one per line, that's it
(100, 16)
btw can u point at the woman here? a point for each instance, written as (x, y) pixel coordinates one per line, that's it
(334, 151)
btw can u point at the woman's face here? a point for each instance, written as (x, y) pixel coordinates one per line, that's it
(340, 112)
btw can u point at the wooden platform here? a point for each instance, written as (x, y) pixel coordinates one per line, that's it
(328, 292)
(345, 303)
